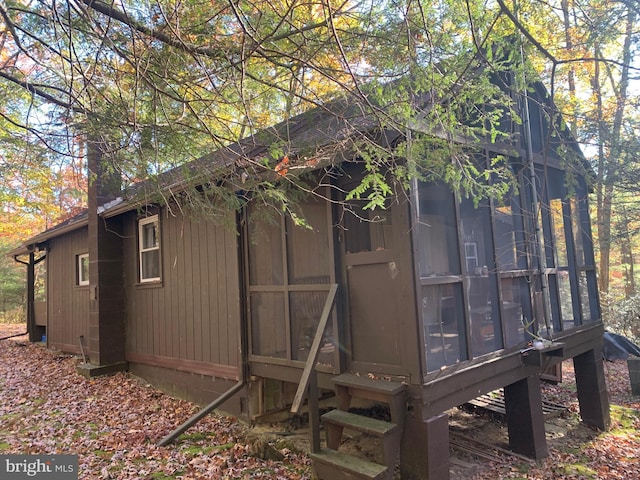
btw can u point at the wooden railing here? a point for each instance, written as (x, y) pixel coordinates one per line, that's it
(309, 380)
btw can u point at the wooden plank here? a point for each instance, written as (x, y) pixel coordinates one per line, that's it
(158, 315)
(370, 426)
(228, 372)
(357, 467)
(147, 334)
(372, 384)
(494, 401)
(483, 450)
(314, 412)
(221, 284)
(170, 256)
(214, 328)
(181, 287)
(314, 350)
(205, 291)
(196, 294)
(232, 293)
(188, 284)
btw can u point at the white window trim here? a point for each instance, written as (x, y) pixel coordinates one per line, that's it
(141, 223)
(81, 281)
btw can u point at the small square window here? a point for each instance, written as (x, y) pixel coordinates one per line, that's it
(82, 269)
(149, 249)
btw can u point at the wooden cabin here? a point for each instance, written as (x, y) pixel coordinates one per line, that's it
(428, 303)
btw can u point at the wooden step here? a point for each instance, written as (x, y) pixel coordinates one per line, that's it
(370, 426)
(384, 387)
(332, 465)
(388, 433)
(349, 385)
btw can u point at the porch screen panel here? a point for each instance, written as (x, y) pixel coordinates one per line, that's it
(268, 324)
(309, 276)
(308, 259)
(443, 319)
(480, 277)
(440, 303)
(265, 252)
(545, 226)
(516, 309)
(290, 274)
(305, 310)
(560, 236)
(368, 230)
(583, 288)
(511, 257)
(576, 228)
(438, 238)
(585, 261)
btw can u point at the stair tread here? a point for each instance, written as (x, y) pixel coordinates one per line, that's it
(357, 466)
(360, 423)
(374, 384)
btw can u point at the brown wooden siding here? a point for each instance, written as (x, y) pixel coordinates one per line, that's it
(67, 303)
(191, 386)
(193, 313)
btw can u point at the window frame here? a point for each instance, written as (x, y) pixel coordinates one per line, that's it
(142, 223)
(81, 281)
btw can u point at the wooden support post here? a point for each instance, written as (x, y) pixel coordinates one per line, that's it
(525, 419)
(592, 389)
(314, 412)
(31, 316)
(424, 453)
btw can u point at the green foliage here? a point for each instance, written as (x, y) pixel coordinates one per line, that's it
(625, 420)
(161, 83)
(577, 470)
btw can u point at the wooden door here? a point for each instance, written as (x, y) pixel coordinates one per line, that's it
(373, 289)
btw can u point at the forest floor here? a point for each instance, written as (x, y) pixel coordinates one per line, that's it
(114, 424)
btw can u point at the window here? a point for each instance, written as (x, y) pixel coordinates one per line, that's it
(82, 269)
(149, 248)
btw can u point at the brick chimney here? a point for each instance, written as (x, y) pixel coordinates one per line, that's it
(106, 342)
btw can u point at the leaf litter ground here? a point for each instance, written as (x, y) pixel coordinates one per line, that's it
(113, 424)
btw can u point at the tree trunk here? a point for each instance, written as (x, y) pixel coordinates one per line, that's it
(610, 148)
(626, 253)
(601, 176)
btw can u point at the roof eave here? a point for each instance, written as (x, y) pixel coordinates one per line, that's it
(37, 241)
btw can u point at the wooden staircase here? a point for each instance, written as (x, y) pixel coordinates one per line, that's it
(331, 464)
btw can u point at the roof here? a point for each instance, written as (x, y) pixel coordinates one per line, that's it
(70, 224)
(304, 142)
(316, 138)
(307, 141)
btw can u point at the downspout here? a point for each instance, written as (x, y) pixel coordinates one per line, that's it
(203, 413)
(244, 367)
